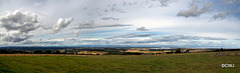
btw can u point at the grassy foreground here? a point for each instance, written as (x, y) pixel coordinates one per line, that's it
(189, 63)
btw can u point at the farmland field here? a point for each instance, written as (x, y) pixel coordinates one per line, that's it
(192, 62)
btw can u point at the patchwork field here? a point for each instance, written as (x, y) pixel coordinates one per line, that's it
(192, 62)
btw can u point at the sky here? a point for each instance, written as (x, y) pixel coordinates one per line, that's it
(125, 23)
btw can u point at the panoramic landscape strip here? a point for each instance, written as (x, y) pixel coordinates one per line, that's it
(118, 60)
(119, 36)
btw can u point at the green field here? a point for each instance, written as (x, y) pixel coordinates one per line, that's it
(179, 63)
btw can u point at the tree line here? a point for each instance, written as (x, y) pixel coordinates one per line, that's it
(7, 51)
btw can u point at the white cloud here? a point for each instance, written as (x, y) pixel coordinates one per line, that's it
(61, 24)
(120, 17)
(75, 33)
(15, 37)
(170, 41)
(23, 21)
(18, 24)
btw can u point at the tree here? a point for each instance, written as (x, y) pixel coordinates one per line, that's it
(178, 51)
(48, 51)
(171, 52)
(38, 52)
(221, 50)
(4, 51)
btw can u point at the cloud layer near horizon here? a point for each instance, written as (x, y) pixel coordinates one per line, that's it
(188, 23)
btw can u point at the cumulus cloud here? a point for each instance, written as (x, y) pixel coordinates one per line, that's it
(16, 37)
(194, 11)
(220, 16)
(142, 29)
(131, 35)
(61, 24)
(23, 21)
(18, 23)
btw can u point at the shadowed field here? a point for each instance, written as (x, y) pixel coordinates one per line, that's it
(194, 62)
